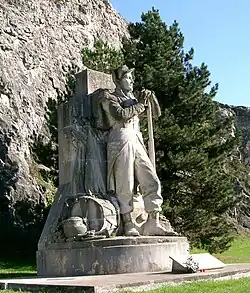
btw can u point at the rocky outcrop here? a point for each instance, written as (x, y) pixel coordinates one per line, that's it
(40, 40)
(242, 186)
(242, 117)
(243, 123)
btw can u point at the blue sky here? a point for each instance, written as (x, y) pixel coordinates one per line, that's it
(219, 32)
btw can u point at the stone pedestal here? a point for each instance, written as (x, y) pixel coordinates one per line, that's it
(117, 255)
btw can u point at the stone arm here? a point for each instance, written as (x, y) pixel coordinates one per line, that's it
(125, 113)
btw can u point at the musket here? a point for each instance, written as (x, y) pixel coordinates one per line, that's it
(151, 145)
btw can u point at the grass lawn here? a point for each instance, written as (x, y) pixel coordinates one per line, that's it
(239, 252)
(11, 291)
(241, 285)
(16, 269)
(231, 286)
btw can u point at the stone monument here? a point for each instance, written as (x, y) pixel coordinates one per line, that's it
(105, 218)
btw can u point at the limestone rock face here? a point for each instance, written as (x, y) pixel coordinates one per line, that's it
(39, 41)
(243, 123)
(242, 118)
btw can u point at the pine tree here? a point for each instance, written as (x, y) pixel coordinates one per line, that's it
(102, 57)
(193, 158)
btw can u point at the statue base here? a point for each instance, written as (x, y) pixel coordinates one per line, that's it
(116, 255)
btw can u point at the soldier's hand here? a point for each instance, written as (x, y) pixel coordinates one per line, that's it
(144, 96)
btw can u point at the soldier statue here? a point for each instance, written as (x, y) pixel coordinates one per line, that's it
(129, 165)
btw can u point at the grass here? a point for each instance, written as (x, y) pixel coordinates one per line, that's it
(11, 291)
(16, 269)
(239, 252)
(241, 285)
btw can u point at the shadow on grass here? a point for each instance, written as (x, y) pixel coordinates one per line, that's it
(17, 268)
(17, 275)
(17, 263)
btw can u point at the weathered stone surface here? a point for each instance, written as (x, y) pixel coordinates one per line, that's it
(243, 123)
(242, 117)
(79, 170)
(110, 256)
(78, 106)
(39, 42)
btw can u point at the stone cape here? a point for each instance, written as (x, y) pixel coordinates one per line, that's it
(82, 153)
(90, 198)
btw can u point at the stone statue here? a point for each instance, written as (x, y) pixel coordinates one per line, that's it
(104, 164)
(128, 163)
(104, 170)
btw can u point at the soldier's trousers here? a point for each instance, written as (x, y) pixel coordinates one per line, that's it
(131, 165)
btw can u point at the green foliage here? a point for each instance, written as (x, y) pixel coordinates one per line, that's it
(17, 268)
(192, 157)
(102, 57)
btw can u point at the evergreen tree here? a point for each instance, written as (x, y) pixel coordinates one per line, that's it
(193, 158)
(102, 57)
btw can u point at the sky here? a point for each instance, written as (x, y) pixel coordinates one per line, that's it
(219, 32)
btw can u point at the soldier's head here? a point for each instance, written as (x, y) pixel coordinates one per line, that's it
(123, 78)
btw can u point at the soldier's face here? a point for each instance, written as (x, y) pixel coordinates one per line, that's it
(127, 82)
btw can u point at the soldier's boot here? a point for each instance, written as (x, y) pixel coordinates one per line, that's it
(153, 226)
(129, 226)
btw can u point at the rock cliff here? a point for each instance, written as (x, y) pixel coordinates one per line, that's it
(242, 115)
(243, 123)
(40, 40)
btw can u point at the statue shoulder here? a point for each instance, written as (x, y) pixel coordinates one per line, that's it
(104, 95)
(109, 95)
(100, 108)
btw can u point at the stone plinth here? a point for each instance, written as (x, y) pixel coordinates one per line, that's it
(110, 256)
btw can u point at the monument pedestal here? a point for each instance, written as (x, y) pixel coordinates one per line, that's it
(117, 255)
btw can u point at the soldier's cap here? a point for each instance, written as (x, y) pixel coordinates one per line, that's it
(118, 73)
